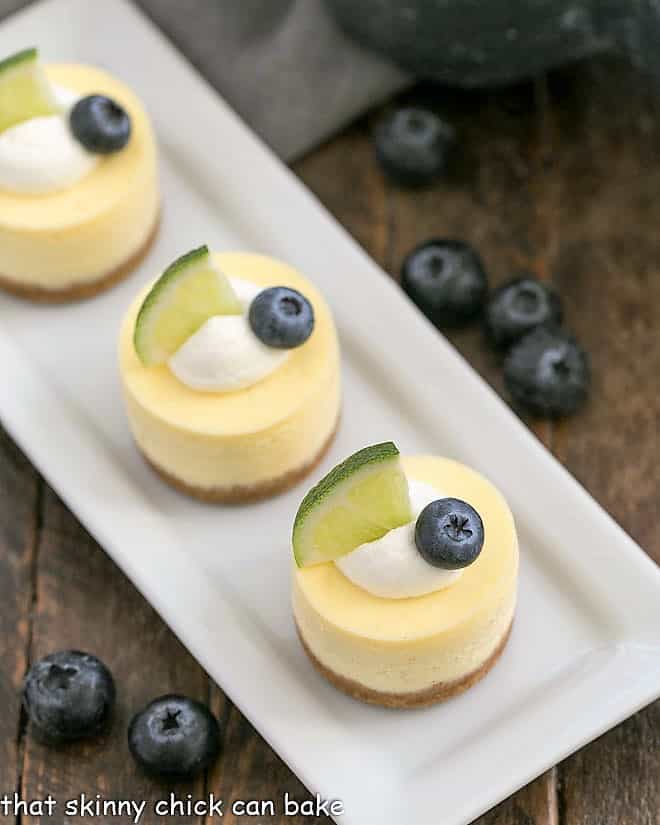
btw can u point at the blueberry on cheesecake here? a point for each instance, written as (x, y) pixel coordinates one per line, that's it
(405, 575)
(230, 369)
(79, 195)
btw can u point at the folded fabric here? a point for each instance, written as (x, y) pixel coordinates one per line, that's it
(282, 64)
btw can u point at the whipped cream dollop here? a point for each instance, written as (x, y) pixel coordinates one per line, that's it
(41, 155)
(224, 354)
(392, 567)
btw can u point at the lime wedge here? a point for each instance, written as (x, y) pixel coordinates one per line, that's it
(24, 89)
(360, 500)
(187, 294)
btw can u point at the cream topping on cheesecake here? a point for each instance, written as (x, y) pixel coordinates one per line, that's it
(392, 567)
(41, 155)
(225, 355)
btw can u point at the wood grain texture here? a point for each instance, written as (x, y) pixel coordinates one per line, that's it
(249, 769)
(558, 177)
(615, 780)
(19, 492)
(608, 271)
(609, 274)
(84, 602)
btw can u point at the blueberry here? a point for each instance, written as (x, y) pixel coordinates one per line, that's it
(547, 372)
(447, 281)
(412, 145)
(281, 317)
(174, 737)
(449, 533)
(68, 695)
(100, 124)
(518, 307)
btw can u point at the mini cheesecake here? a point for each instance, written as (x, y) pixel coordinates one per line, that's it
(81, 239)
(414, 651)
(244, 444)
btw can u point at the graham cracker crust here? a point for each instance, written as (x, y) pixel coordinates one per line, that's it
(80, 292)
(244, 494)
(415, 699)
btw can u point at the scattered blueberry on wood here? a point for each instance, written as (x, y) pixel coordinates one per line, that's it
(447, 281)
(519, 306)
(67, 696)
(547, 373)
(412, 145)
(174, 737)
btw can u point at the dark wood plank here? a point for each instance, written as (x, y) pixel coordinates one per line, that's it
(609, 274)
(536, 804)
(343, 175)
(83, 601)
(570, 193)
(250, 771)
(561, 180)
(490, 199)
(615, 780)
(19, 487)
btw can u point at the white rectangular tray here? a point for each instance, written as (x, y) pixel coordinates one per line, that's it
(585, 651)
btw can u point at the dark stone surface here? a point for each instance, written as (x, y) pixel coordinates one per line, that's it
(476, 43)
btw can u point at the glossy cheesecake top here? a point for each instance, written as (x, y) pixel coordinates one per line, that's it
(489, 581)
(274, 399)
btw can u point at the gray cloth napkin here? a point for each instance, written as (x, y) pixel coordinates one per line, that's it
(282, 64)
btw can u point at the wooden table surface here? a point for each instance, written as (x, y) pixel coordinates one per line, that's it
(560, 177)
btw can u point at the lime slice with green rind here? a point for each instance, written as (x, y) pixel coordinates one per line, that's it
(187, 294)
(359, 501)
(24, 90)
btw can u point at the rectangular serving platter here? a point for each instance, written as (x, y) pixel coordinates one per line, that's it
(585, 651)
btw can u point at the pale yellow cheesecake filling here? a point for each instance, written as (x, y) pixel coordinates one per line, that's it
(80, 234)
(403, 646)
(250, 436)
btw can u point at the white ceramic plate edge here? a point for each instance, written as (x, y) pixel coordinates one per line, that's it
(630, 573)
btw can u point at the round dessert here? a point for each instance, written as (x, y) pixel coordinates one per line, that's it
(230, 371)
(405, 583)
(79, 198)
